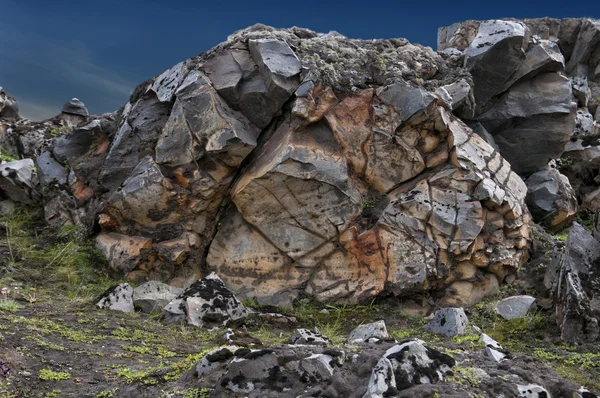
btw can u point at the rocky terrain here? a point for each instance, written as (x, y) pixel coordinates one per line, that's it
(303, 214)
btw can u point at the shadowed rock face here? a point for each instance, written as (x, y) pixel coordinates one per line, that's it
(295, 163)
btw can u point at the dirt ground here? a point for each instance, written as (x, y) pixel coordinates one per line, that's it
(55, 348)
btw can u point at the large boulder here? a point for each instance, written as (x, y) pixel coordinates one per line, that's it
(311, 208)
(296, 163)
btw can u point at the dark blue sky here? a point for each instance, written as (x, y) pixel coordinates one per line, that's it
(98, 51)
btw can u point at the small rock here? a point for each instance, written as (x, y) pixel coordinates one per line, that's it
(316, 368)
(305, 336)
(75, 107)
(406, 365)
(117, 298)
(492, 348)
(207, 302)
(449, 321)
(533, 391)
(154, 294)
(514, 307)
(364, 332)
(215, 359)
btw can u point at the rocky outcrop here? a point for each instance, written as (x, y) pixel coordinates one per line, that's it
(295, 163)
(529, 76)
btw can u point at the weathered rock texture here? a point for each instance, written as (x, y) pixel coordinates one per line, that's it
(293, 163)
(577, 287)
(530, 77)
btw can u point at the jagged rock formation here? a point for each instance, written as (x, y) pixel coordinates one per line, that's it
(294, 163)
(575, 283)
(524, 99)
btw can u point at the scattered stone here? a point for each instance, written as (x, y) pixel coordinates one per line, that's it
(305, 336)
(153, 295)
(449, 321)
(367, 331)
(316, 368)
(493, 349)
(515, 307)
(533, 391)
(405, 365)
(117, 298)
(215, 359)
(206, 303)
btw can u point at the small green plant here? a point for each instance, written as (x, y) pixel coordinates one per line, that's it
(49, 375)
(107, 393)
(52, 394)
(9, 305)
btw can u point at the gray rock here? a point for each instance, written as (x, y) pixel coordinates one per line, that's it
(207, 303)
(117, 298)
(577, 289)
(581, 89)
(75, 107)
(154, 294)
(167, 82)
(215, 359)
(50, 172)
(547, 93)
(587, 41)
(68, 148)
(9, 109)
(459, 97)
(316, 368)
(244, 376)
(135, 139)
(551, 199)
(531, 123)
(493, 349)
(533, 391)
(529, 144)
(405, 365)
(584, 124)
(370, 330)
(407, 100)
(382, 380)
(305, 336)
(18, 181)
(201, 122)
(449, 321)
(515, 307)
(544, 56)
(493, 56)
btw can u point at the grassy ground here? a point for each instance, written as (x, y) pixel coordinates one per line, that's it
(55, 343)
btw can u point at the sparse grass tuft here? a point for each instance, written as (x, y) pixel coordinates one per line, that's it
(58, 259)
(49, 375)
(9, 306)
